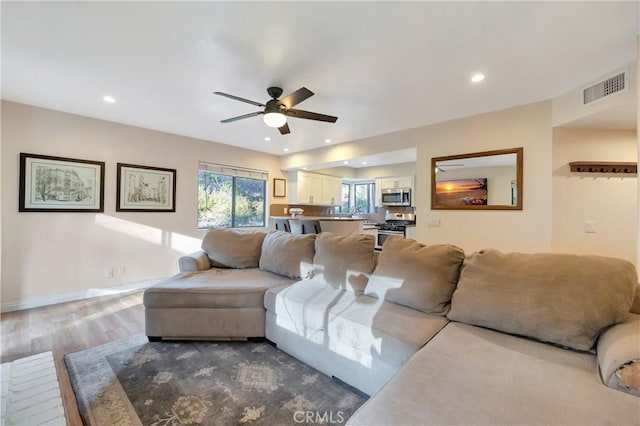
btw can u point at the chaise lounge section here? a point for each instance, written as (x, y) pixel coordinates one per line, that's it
(219, 293)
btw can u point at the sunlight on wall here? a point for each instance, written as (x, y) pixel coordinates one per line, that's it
(178, 242)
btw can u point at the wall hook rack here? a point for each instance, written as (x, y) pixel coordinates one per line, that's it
(604, 167)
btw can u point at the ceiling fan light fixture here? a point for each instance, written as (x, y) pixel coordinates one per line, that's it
(275, 119)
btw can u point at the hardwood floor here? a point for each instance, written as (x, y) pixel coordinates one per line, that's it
(70, 327)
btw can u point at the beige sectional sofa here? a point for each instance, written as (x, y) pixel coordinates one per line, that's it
(437, 337)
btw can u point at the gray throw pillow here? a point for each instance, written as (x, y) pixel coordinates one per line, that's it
(416, 275)
(344, 261)
(233, 248)
(288, 254)
(560, 298)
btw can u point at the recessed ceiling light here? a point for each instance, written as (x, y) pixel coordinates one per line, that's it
(286, 150)
(477, 78)
(327, 140)
(109, 99)
(346, 162)
(304, 168)
(364, 163)
(267, 138)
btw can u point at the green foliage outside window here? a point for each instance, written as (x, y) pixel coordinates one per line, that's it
(230, 201)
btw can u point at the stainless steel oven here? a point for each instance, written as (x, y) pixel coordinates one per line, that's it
(384, 234)
(395, 225)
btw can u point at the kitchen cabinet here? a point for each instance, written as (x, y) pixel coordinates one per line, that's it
(393, 182)
(331, 190)
(318, 189)
(309, 188)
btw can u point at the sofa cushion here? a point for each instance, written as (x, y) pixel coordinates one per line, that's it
(470, 375)
(214, 288)
(288, 254)
(372, 328)
(565, 299)
(415, 275)
(344, 261)
(309, 303)
(233, 248)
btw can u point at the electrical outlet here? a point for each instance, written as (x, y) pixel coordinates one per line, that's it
(108, 272)
(120, 270)
(285, 210)
(590, 226)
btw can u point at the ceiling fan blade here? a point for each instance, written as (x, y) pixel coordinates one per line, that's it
(294, 98)
(298, 113)
(284, 129)
(240, 117)
(237, 98)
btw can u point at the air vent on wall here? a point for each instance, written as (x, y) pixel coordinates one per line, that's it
(607, 87)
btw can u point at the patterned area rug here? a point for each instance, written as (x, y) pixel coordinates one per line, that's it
(136, 382)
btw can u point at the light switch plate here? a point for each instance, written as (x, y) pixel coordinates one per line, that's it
(433, 222)
(590, 226)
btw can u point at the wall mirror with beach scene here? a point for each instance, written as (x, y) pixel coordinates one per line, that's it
(490, 180)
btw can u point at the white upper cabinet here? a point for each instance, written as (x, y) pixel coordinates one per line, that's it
(309, 188)
(318, 189)
(331, 190)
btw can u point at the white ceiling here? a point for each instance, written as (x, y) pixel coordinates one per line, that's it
(379, 66)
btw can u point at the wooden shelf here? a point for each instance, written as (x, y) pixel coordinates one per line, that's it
(604, 167)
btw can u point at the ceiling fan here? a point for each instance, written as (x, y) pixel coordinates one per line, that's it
(277, 110)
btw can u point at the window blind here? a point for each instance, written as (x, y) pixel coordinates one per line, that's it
(233, 171)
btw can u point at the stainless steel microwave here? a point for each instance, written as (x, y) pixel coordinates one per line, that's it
(396, 196)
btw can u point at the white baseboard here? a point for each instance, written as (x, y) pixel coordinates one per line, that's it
(78, 295)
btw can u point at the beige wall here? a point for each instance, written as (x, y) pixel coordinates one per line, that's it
(609, 200)
(527, 126)
(46, 254)
(528, 230)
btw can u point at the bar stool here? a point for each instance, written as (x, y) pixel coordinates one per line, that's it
(310, 226)
(282, 225)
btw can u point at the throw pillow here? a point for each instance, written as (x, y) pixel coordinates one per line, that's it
(288, 254)
(416, 275)
(344, 261)
(560, 298)
(233, 248)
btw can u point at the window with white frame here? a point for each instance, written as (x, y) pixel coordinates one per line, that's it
(358, 196)
(230, 196)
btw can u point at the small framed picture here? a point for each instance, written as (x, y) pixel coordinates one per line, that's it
(145, 189)
(58, 184)
(279, 187)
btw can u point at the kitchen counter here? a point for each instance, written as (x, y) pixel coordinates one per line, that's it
(336, 224)
(323, 218)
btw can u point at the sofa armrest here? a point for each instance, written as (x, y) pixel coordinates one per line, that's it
(619, 356)
(193, 262)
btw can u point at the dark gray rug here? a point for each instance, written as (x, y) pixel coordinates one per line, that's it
(135, 382)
